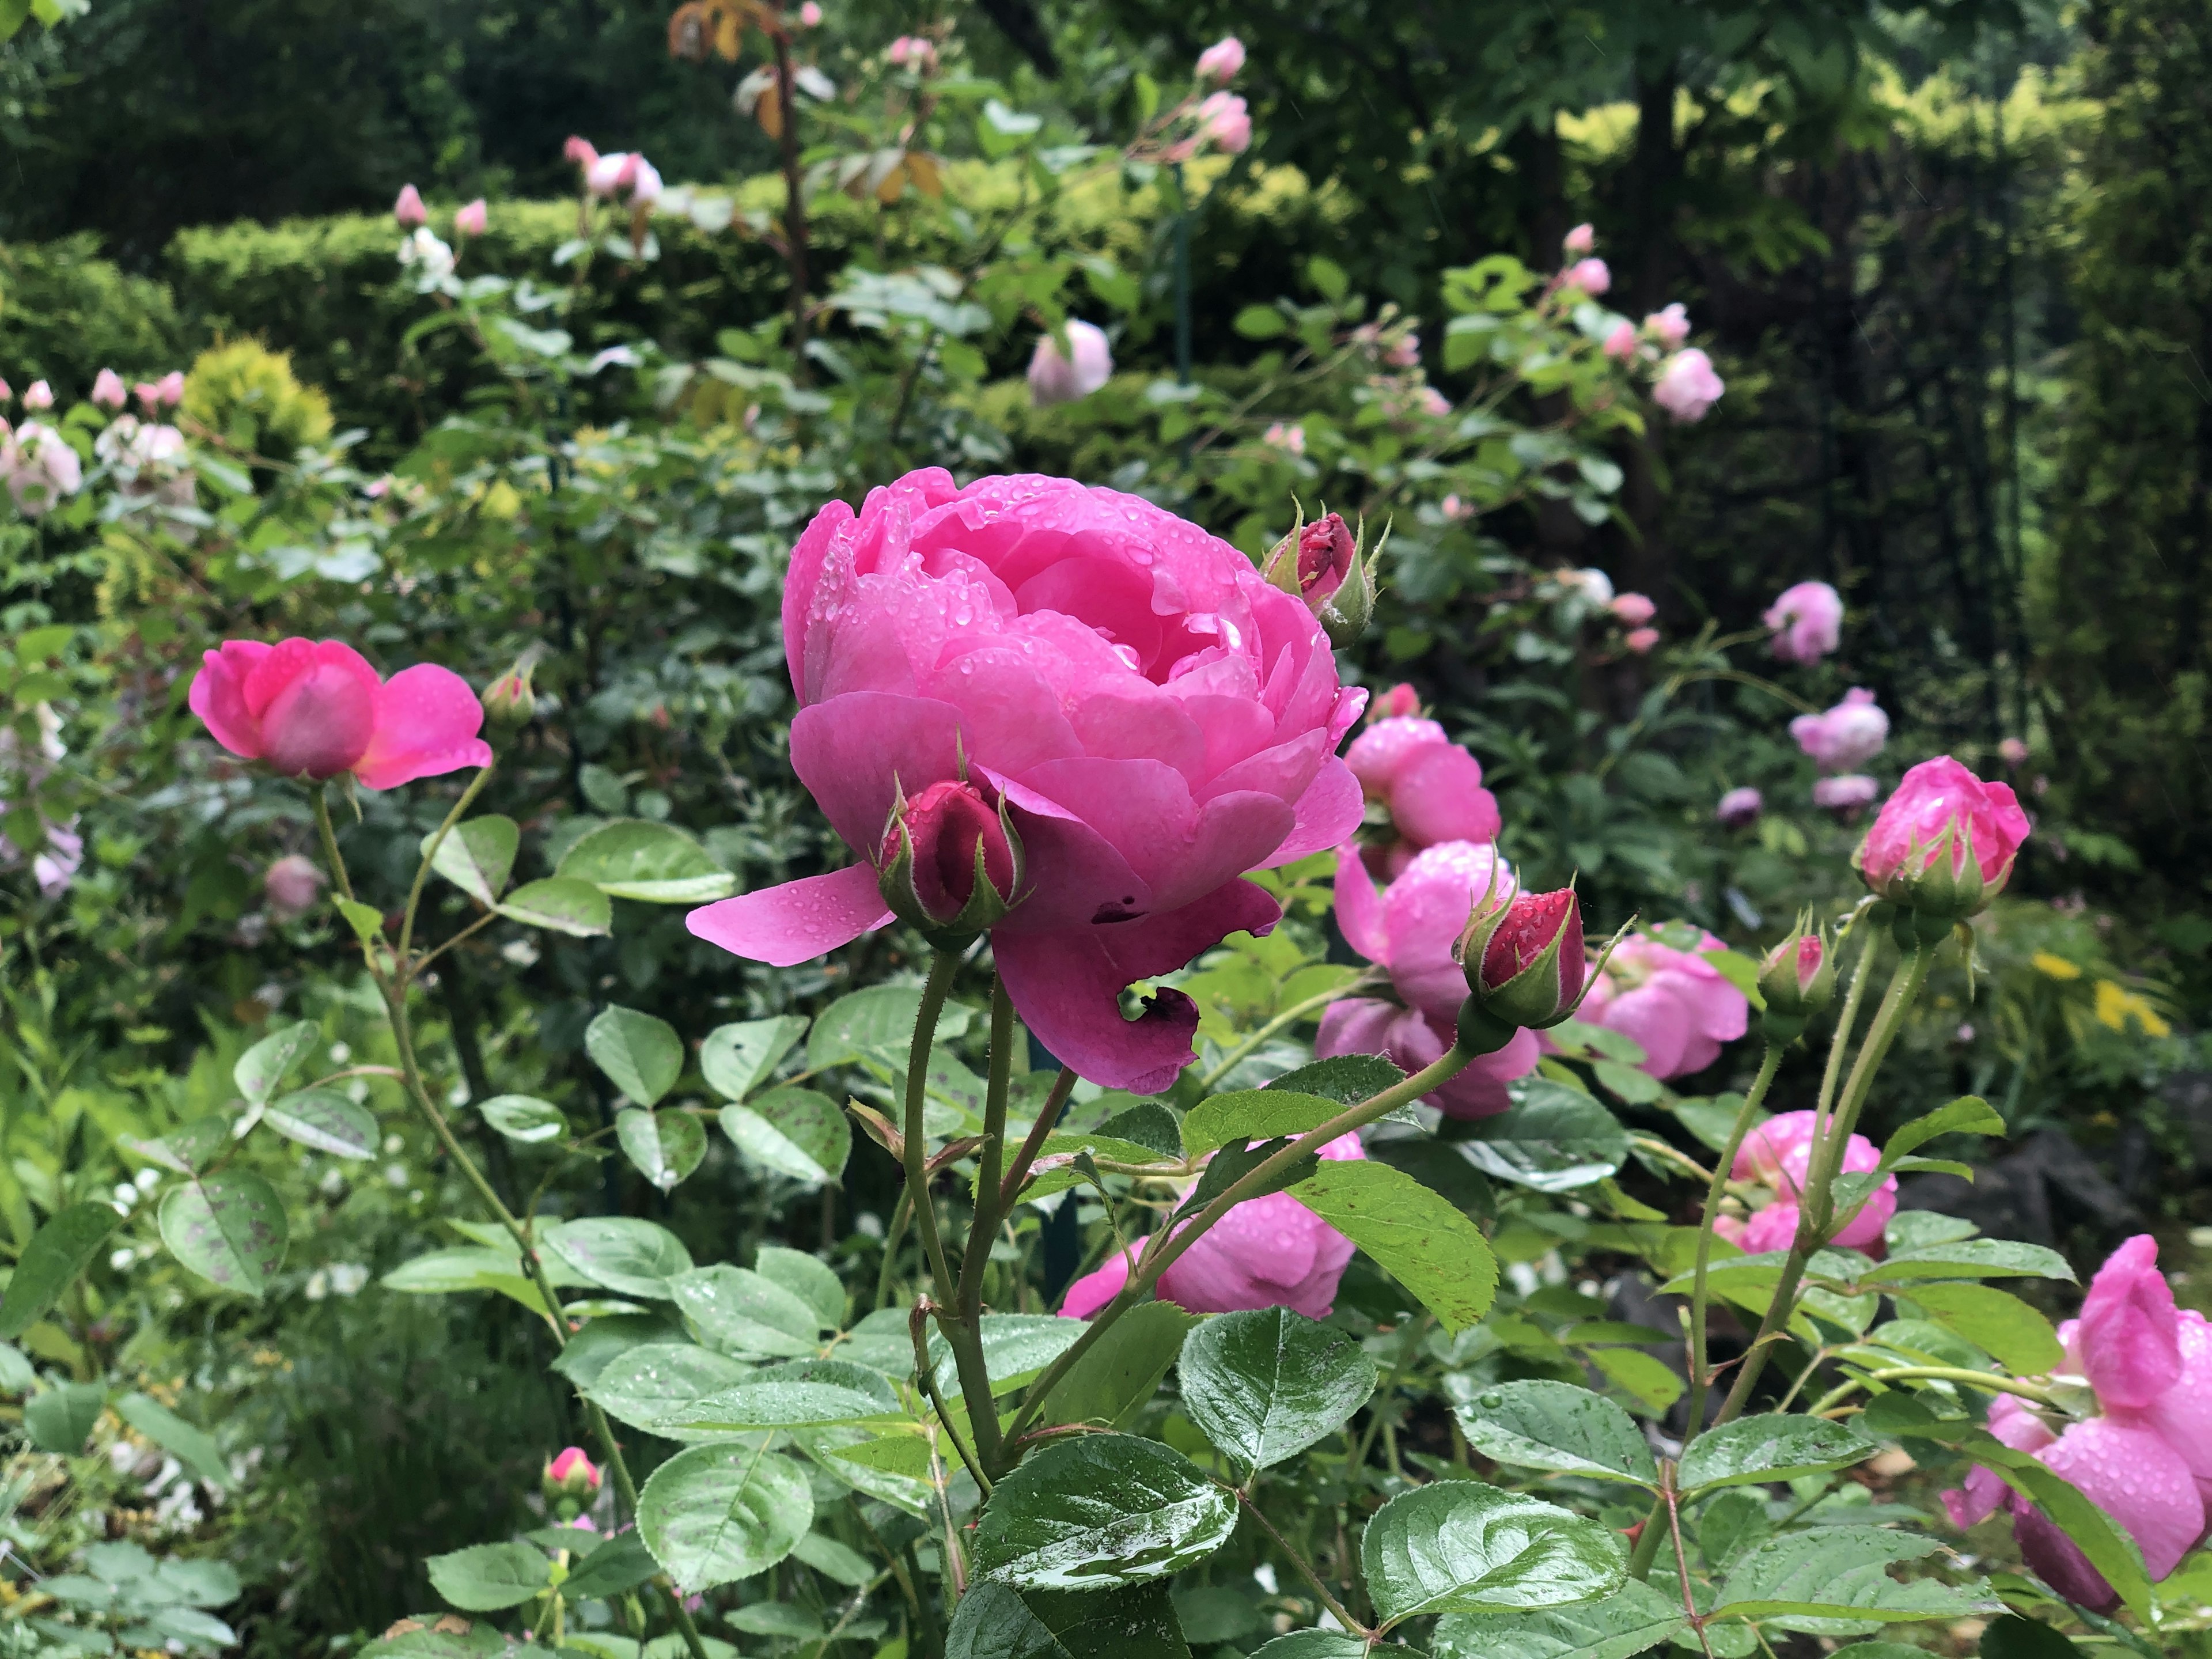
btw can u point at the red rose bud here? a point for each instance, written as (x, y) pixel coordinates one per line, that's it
(1524, 962)
(951, 861)
(1326, 549)
(510, 700)
(1324, 563)
(1797, 980)
(570, 1481)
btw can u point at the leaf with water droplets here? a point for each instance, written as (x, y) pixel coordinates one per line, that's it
(665, 1146)
(228, 1229)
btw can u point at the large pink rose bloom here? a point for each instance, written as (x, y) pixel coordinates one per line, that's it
(1159, 719)
(1674, 1003)
(1410, 930)
(315, 709)
(1901, 841)
(1779, 1152)
(1269, 1252)
(1432, 787)
(2145, 1462)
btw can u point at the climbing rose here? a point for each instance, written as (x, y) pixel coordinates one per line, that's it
(1223, 119)
(1740, 807)
(409, 210)
(1431, 787)
(315, 709)
(108, 390)
(1159, 719)
(1686, 386)
(1223, 61)
(1897, 856)
(1847, 736)
(1676, 1005)
(1409, 930)
(1058, 377)
(1807, 622)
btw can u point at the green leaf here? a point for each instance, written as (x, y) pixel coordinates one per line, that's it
(607, 1338)
(879, 1020)
(1441, 1167)
(1460, 1546)
(1100, 1511)
(2012, 1637)
(1645, 1378)
(1265, 1384)
(486, 1577)
(718, 1513)
(835, 1561)
(1635, 1617)
(1349, 1078)
(1322, 1645)
(189, 1150)
(1843, 1572)
(1770, 1446)
(1260, 323)
(735, 1059)
(17, 1374)
(477, 856)
(665, 1146)
(622, 1254)
(741, 1312)
(1420, 1239)
(1145, 1123)
(640, 1054)
(326, 1121)
(773, 1404)
(655, 863)
(228, 1229)
(1016, 1347)
(195, 1448)
(621, 1564)
(645, 1386)
(2109, 1546)
(2001, 1325)
(997, 1621)
(560, 906)
(525, 1118)
(261, 1068)
(1328, 276)
(60, 1421)
(1119, 1372)
(1555, 1425)
(791, 1132)
(814, 1282)
(1972, 1115)
(1554, 1140)
(366, 920)
(1254, 1115)
(1971, 1258)
(63, 1247)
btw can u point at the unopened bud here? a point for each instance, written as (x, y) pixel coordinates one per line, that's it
(1325, 564)
(951, 863)
(511, 700)
(1797, 980)
(1523, 954)
(569, 1482)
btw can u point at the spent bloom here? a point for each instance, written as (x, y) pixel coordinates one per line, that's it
(1224, 122)
(315, 709)
(1845, 737)
(1270, 1252)
(108, 391)
(1157, 718)
(1807, 622)
(470, 221)
(1063, 377)
(1428, 786)
(1223, 61)
(1687, 386)
(1676, 1005)
(1410, 930)
(1944, 841)
(1669, 327)
(1739, 808)
(408, 210)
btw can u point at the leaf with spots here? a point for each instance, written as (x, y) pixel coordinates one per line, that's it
(228, 1229)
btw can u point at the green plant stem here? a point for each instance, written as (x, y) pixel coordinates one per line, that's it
(942, 966)
(1981, 1380)
(990, 1158)
(1290, 1015)
(1162, 1252)
(902, 1213)
(1033, 1143)
(1701, 1380)
(1305, 1569)
(1409, 1347)
(1821, 1174)
(423, 870)
(925, 1374)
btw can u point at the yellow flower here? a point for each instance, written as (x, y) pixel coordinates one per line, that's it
(2055, 967)
(2117, 1005)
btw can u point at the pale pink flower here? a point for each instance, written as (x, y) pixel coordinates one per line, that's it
(1579, 241)
(1620, 344)
(809, 15)
(1845, 737)
(1455, 509)
(39, 467)
(1434, 404)
(1224, 120)
(1432, 787)
(605, 175)
(1291, 440)
(1634, 609)
(1592, 277)
(291, 886)
(1223, 61)
(1807, 622)
(1678, 1006)
(1641, 641)
(1687, 388)
(1669, 327)
(2012, 752)
(471, 220)
(108, 391)
(1847, 796)
(1058, 377)
(913, 51)
(580, 151)
(40, 396)
(1739, 808)
(408, 210)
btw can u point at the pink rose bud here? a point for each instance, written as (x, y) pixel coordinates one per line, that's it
(291, 886)
(1847, 796)
(605, 174)
(1797, 979)
(580, 151)
(172, 388)
(6, 391)
(149, 394)
(1455, 509)
(1523, 957)
(1591, 276)
(511, 700)
(1641, 641)
(1739, 808)
(315, 709)
(951, 861)
(2129, 1341)
(409, 210)
(1579, 241)
(1396, 703)
(1323, 564)
(108, 390)
(1669, 327)
(471, 220)
(2012, 752)
(1634, 609)
(1224, 120)
(913, 51)
(1223, 61)
(574, 1471)
(1687, 388)
(1807, 622)
(809, 16)
(1944, 844)
(1066, 377)
(1620, 344)
(40, 396)
(1327, 548)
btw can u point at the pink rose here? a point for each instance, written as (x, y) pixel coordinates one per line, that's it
(1864, 1229)
(1847, 736)
(1159, 719)
(1669, 327)
(1410, 930)
(6, 391)
(1760, 1157)
(108, 390)
(316, 708)
(1224, 120)
(1269, 1252)
(2128, 1340)
(1807, 620)
(1634, 610)
(2135, 1476)
(1674, 1003)
(573, 1469)
(471, 220)
(1641, 641)
(604, 175)
(1592, 277)
(1739, 808)
(1899, 848)
(580, 151)
(1399, 701)
(171, 387)
(1057, 377)
(1847, 796)
(408, 210)
(644, 184)
(39, 467)
(1432, 786)
(1687, 388)
(291, 886)
(809, 15)
(1455, 509)
(40, 396)
(1223, 61)
(1579, 240)
(1620, 344)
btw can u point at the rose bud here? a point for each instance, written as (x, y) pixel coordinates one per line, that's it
(1524, 965)
(510, 700)
(1943, 845)
(569, 1480)
(408, 211)
(472, 220)
(40, 396)
(1325, 564)
(1739, 808)
(108, 390)
(951, 862)
(1797, 979)
(291, 886)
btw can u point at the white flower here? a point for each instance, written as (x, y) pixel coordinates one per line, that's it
(422, 247)
(348, 1277)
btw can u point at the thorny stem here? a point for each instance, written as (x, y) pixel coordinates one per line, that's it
(991, 1156)
(1682, 1564)
(1701, 1380)
(1982, 1380)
